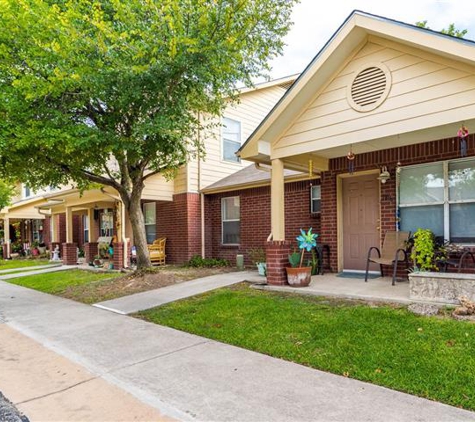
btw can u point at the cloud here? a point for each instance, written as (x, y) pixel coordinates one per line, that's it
(315, 22)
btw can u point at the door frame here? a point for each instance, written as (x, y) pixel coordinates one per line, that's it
(339, 209)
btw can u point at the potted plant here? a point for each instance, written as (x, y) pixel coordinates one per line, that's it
(97, 261)
(297, 275)
(34, 248)
(42, 248)
(424, 251)
(258, 258)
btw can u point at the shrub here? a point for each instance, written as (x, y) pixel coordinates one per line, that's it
(198, 262)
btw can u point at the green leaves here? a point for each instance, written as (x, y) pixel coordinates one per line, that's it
(87, 83)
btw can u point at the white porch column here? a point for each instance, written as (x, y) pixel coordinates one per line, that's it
(277, 200)
(54, 228)
(6, 236)
(69, 225)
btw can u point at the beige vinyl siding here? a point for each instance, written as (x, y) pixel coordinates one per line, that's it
(250, 111)
(426, 91)
(181, 180)
(158, 189)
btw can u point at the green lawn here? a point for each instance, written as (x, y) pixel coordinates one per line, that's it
(429, 357)
(59, 282)
(6, 264)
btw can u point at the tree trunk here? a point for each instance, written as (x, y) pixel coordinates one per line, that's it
(133, 204)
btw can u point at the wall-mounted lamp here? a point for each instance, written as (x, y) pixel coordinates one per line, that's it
(384, 175)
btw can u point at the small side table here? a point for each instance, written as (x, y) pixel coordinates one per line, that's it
(322, 250)
(457, 259)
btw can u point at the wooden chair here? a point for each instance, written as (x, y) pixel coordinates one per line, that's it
(157, 251)
(393, 251)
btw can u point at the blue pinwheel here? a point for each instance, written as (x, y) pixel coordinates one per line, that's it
(306, 241)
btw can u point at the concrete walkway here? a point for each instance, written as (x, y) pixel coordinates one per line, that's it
(150, 299)
(25, 269)
(37, 270)
(192, 378)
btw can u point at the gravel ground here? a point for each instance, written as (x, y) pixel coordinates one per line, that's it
(9, 413)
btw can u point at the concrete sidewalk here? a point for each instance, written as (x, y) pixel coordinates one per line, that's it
(150, 299)
(48, 387)
(192, 378)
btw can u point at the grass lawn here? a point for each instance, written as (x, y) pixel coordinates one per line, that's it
(431, 357)
(7, 264)
(58, 283)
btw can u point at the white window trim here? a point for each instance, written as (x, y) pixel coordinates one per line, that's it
(154, 207)
(230, 220)
(86, 224)
(313, 199)
(238, 162)
(446, 202)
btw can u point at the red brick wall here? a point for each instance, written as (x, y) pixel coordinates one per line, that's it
(180, 222)
(61, 220)
(47, 231)
(255, 219)
(444, 149)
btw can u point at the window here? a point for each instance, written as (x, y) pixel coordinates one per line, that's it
(439, 197)
(37, 230)
(315, 199)
(26, 191)
(107, 223)
(230, 215)
(231, 139)
(149, 213)
(85, 225)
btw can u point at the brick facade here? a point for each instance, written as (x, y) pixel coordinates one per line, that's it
(428, 152)
(70, 254)
(91, 249)
(118, 256)
(277, 257)
(180, 222)
(255, 219)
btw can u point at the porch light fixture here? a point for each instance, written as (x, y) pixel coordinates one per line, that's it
(384, 175)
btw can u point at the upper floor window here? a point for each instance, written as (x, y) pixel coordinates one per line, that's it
(26, 191)
(315, 199)
(231, 139)
(440, 197)
(231, 220)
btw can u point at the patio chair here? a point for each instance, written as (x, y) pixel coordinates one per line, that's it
(157, 251)
(393, 251)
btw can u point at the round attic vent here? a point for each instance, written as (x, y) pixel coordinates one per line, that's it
(369, 88)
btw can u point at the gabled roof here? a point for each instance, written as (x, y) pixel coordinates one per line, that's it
(333, 56)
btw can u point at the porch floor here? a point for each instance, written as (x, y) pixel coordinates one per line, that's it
(376, 289)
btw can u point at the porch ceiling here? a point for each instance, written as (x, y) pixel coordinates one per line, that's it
(394, 141)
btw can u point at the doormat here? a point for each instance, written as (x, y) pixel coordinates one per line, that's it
(357, 275)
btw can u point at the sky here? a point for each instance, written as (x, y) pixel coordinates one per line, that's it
(315, 21)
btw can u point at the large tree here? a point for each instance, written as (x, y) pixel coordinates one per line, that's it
(110, 91)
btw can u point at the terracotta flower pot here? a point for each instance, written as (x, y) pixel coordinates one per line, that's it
(299, 277)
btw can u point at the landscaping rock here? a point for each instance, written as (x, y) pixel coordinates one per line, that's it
(9, 413)
(423, 309)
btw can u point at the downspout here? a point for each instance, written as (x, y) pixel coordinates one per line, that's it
(268, 170)
(202, 197)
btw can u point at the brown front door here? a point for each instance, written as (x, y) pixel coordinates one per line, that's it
(360, 220)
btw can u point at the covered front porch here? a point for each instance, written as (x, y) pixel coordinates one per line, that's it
(345, 287)
(381, 116)
(90, 222)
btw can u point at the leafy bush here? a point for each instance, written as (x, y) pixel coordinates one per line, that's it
(198, 262)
